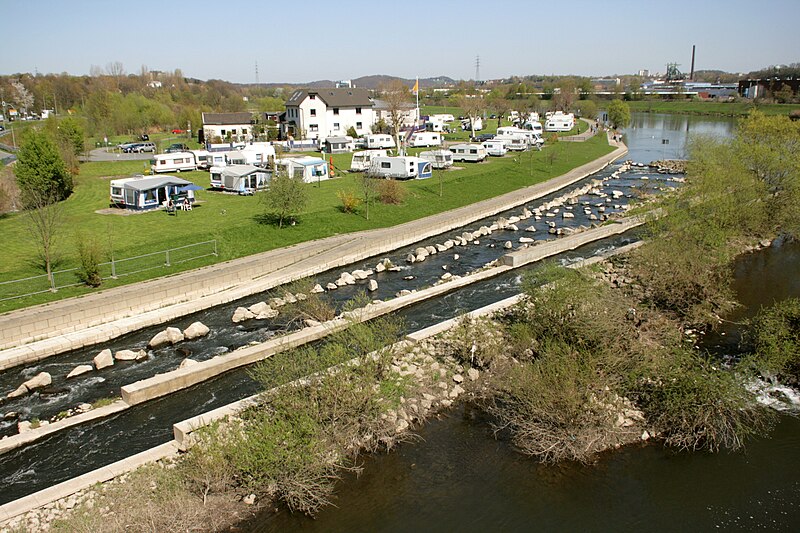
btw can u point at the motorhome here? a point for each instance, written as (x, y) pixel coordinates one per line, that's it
(513, 142)
(378, 141)
(425, 138)
(400, 167)
(241, 179)
(534, 126)
(532, 137)
(465, 124)
(361, 160)
(175, 162)
(495, 147)
(559, 121)
(438, 158)
(311, 169)
(474, 153)
(151, 192)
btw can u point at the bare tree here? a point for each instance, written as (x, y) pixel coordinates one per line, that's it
(369, 189)
(45, 216)
(115, 69)
(397, 98)
(472, 105)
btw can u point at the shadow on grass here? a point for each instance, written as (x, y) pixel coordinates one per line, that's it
(271, 219)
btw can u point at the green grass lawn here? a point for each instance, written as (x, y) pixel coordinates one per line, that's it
(692, 107)
(233, 220)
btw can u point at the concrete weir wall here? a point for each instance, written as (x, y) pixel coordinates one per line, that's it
(34, 333)
(183, 429)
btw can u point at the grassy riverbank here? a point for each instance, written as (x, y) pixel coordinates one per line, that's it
(235, 222)
(723, 109)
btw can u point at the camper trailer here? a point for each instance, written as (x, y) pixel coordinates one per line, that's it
(559, 121)
(474, 153)
(495, 147)
(425, 138)
(400, 167)
(151, 192)
(443, 117)
(378, 141)
(311, 169)
(203, 158)
(361, 160)
(530, 136)
(438, 158)
(175, 162)
(241, 179)
(513, 142)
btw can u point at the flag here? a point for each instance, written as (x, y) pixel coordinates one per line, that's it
(415, 90)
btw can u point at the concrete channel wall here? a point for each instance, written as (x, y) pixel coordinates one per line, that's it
(182, 430)
(34, 333)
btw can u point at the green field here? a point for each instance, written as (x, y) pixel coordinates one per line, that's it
(690, 107)
(233, 220)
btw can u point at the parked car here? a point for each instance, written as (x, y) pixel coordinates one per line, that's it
(178, 130)
(144, 137)
(145, 147)
(126, 146)
(482, 137)
(176, 147)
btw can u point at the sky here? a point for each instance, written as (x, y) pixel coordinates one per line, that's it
(296, 42)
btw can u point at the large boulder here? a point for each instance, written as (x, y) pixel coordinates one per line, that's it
(129, 355)
(241, 314)
(267, 313)
(317, 289)
(103, 359)
(22, 390)
(79, 370)
(257, 307)
(372, 285)
(195, 330)
(331, 286)
(360, 274)
(380, 267)
(507, 245)
(168, 336)
(42, 379)
(187, 362)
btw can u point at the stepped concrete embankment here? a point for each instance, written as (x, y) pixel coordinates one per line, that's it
(34, 333)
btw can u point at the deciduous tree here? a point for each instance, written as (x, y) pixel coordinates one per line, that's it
(40, 169)
(286, 196)
(619, 113)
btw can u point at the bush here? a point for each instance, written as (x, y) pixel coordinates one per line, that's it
(391, 192)
(90, 255)
(350, 201)
(774, 335)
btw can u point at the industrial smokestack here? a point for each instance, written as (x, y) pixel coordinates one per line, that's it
(691, 74)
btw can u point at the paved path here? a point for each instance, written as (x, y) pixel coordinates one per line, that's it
(37, 332)
(112, 154)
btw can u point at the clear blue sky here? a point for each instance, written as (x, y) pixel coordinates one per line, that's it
(298, 41)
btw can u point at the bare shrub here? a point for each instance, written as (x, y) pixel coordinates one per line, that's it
(391, 192)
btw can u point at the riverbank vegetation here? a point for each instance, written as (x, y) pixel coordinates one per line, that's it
(722, 109)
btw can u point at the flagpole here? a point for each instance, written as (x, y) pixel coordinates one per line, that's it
(417, 86)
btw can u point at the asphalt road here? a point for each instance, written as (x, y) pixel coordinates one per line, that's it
(111, 154)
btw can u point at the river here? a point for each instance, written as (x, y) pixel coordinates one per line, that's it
(458, 477)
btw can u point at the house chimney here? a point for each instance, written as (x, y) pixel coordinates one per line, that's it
(691, 73)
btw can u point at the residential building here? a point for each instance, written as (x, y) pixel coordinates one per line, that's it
(321, 113)
(228, 127)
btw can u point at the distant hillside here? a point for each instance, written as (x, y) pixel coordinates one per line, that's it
(370, 82)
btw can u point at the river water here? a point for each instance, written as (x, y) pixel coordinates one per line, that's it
(458, 477)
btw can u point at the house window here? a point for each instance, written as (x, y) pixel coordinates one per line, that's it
(313, 112)
(358, 111)
(359, 125)
(244, 131)
(336, 126)
(233, 132)
(313, 127)
(222, 133)
(335, 110)
(312, 96)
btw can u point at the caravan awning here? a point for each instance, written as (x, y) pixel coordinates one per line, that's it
(146, 184)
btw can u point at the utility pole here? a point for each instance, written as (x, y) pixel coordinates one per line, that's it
(477, 70)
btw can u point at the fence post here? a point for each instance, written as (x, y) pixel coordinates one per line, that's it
(113, 268)
(215, 247)
(52, 277)
(168, 258)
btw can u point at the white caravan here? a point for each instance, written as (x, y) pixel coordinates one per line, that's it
(361, 160)
(438, 158)
(425, 138)
(465, 124)
(241, 179)
(474, 153)
(559, 121)
(175, 162)
(534, 126)
(443, 117)
(400, 167)
(378, 141)
(513, 142)
(495, 147)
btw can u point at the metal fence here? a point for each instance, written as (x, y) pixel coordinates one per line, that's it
(113, 269)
